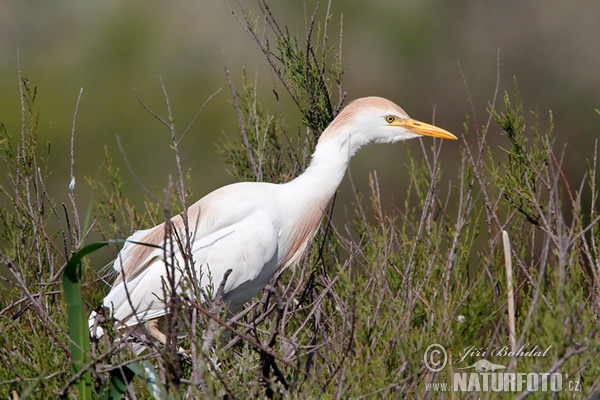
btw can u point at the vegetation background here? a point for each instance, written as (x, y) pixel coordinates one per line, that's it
(379, 286)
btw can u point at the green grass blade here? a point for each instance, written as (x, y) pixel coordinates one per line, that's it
(78, 328)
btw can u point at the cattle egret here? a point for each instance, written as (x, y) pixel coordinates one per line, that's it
(253, 228)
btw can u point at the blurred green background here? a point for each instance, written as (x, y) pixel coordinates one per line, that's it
(408, 51)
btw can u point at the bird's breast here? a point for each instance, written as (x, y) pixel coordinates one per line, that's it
(296, 236)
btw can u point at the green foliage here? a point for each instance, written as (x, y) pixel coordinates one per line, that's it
(117, 217)
(309, 76)
(37, 238)
(309, 71)
(355, 318)
(263, 157)
(519, 180)
(308, 67)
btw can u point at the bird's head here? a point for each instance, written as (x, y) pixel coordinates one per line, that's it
(377, 120)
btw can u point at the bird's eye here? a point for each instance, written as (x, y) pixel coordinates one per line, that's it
(390, 119)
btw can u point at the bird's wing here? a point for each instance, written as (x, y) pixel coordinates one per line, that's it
(224, 234)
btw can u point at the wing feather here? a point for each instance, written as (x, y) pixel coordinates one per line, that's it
(222, 226)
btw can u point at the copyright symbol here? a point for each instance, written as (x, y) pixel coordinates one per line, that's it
(435, 357)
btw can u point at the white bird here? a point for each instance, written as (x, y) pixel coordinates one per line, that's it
(253, 228)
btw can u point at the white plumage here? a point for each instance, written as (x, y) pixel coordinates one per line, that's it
(253, 228)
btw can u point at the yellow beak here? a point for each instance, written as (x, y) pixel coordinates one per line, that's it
(421, 128)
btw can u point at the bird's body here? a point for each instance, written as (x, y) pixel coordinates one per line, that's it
(252, 228)
(237, 225)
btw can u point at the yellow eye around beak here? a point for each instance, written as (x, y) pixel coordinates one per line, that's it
(422, 128)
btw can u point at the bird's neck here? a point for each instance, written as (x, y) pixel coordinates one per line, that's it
(325, 172)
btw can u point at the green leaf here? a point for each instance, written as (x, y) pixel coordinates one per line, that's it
(78, 328)
(121, 377)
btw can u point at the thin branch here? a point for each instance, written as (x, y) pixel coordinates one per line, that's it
(132, 172)
(510, 298)
(242, 125)
(195, 119)
(77, 234)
